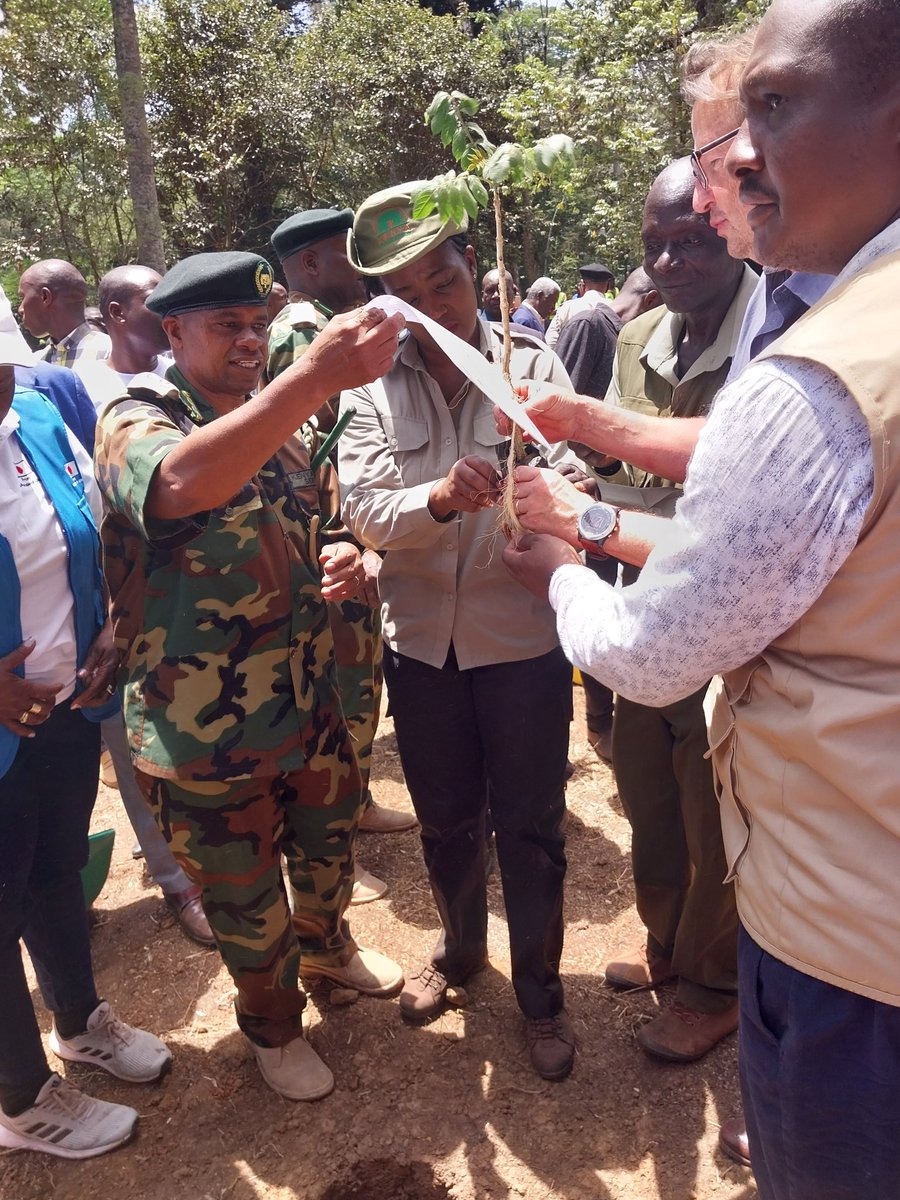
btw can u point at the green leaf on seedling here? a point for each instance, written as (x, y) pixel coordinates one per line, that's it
(478, 190)
(505, 164)
(424, 203)
(439, 105)
(469, 202)
(549, 152)
(477, 134)
(460, 143)
(456, 210)
(529, 166)
(466, 105)
(440, 123)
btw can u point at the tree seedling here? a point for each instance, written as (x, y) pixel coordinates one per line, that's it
(486, 172)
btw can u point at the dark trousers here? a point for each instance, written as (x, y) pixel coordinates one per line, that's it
(492, 737)
(598, 699)
(666, 788)
(820, 1077)
(46, 799)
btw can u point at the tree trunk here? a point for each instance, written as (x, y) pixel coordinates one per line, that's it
(141, 178)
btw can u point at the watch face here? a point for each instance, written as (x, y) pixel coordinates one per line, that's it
(597, 522)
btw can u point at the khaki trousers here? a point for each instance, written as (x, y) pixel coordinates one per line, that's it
(666, 787)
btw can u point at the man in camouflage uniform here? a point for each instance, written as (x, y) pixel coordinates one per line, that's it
(312, 247)
(211, 548)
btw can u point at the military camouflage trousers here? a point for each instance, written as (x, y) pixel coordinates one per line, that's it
(230, 837)
(356, 630)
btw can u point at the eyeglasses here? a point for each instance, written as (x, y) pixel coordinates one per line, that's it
(699, 174)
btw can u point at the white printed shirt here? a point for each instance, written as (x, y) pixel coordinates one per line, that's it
(772, 508)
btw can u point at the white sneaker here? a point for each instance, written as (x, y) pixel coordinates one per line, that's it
(294, 1071)
(65, 1122)
(127, 1053)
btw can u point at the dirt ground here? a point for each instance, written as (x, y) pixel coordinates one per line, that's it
(451, 1110)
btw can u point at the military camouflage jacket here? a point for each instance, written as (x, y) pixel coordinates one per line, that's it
(293, 330)
(290, 335)
(227, 649)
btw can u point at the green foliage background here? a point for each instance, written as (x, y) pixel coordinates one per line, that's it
(257, 109)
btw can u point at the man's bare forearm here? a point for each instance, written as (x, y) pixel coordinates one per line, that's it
(661, 447)
(637, 535)
(216, 460)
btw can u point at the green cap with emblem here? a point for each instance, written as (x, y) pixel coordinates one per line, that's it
(385, 237)
(221, 279)
(306, 228)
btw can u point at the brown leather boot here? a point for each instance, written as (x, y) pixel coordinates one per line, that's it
(378, 819)
(190, 915)
(641, 969)
(424, 994)
(551, 1045)
(682, 1034)
(734, 1142)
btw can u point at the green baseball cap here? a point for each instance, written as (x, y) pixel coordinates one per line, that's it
(385, 237)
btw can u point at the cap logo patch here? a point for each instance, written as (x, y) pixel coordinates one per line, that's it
(392, 225)
(263, 278)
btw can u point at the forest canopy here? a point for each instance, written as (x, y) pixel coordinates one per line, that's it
(256, 109)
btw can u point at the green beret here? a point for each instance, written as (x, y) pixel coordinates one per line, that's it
(306, 228)
(224, 279)
(384, 236)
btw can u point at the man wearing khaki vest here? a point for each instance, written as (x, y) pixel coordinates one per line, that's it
(780, 572)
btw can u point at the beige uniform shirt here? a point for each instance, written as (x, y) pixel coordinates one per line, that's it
(440, 582)
(645, 377)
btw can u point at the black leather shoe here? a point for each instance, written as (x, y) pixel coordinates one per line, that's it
(551, 1045)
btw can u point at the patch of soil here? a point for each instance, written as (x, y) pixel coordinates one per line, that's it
(383, 1177)
(449, 1110)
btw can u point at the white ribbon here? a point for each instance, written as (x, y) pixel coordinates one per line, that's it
(485, 375)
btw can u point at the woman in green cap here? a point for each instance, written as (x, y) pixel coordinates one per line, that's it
(480, 690)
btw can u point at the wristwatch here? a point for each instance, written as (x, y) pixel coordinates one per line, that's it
(595, 525)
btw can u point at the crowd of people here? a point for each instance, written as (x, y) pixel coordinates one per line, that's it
(238, 508)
